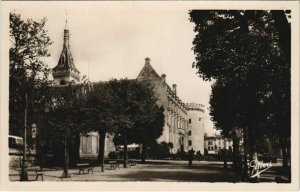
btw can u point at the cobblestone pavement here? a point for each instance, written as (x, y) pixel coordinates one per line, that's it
(165, 171)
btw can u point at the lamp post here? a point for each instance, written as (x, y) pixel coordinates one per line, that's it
(24, 172)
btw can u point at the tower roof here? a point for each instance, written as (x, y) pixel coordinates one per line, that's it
(66, 61)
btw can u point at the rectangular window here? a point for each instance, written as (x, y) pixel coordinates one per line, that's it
(199, 119)
(190, 133)
(190, 121)
(190, 142)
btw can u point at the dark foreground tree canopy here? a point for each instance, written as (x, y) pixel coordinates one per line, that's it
(247, 54)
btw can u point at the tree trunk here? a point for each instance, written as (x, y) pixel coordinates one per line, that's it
(245, 145)
(125, 152)
(102, 136)
(236, 154)
(74, 151)
(288, 147)
(144, 152)
(284, 152)
(245, 30)
(66, 162)
(284, 30)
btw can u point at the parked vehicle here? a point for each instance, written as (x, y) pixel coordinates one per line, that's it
(15, 145)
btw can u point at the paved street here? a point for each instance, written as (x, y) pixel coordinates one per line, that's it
(166, 171)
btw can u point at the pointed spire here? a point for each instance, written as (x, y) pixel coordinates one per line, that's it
(66, 66)
(66, 25)
(66, 33)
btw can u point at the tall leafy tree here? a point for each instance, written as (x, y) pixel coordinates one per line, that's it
(28, 74)
(140, 119)
(241, 49)
(65, 120)
(129, 97)
(99, 114)
(150, 119)
(280, 104)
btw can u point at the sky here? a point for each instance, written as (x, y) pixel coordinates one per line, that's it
(112, 41)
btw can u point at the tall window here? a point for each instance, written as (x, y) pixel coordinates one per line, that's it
(190, 121)
(190, 142)
(190, 133)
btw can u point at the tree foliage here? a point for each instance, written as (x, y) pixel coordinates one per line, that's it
(65, 120)
(248, 55)
(123, 108)
(28, 74)
(141, 120)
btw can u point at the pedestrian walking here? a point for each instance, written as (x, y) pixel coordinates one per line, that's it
(191, 155)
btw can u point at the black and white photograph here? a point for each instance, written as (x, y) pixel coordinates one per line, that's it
(168, 93)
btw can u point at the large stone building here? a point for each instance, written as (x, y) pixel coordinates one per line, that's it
(177, 129)
(184, 123)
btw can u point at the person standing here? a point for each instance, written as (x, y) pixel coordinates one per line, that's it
(191, 155)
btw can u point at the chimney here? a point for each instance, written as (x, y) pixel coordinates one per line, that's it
(164, 77)
(147, 60)
(174, 89)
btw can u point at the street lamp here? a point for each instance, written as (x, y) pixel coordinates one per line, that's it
(24, 171)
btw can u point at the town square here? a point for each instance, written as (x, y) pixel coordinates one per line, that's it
(140, 92)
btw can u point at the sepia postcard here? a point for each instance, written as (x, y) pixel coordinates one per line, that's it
(149, 95)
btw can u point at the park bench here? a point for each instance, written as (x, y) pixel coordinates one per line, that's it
(83, 166)
(114, 164)
(132, 163)
(38, 171)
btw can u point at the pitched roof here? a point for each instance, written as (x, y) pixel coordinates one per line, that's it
(148, 71)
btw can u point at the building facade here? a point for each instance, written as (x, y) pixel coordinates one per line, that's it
(215, 143)
(184, 123)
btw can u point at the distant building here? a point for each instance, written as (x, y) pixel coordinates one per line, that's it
(215, 143)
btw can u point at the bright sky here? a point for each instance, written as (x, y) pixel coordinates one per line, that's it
(114, 40)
